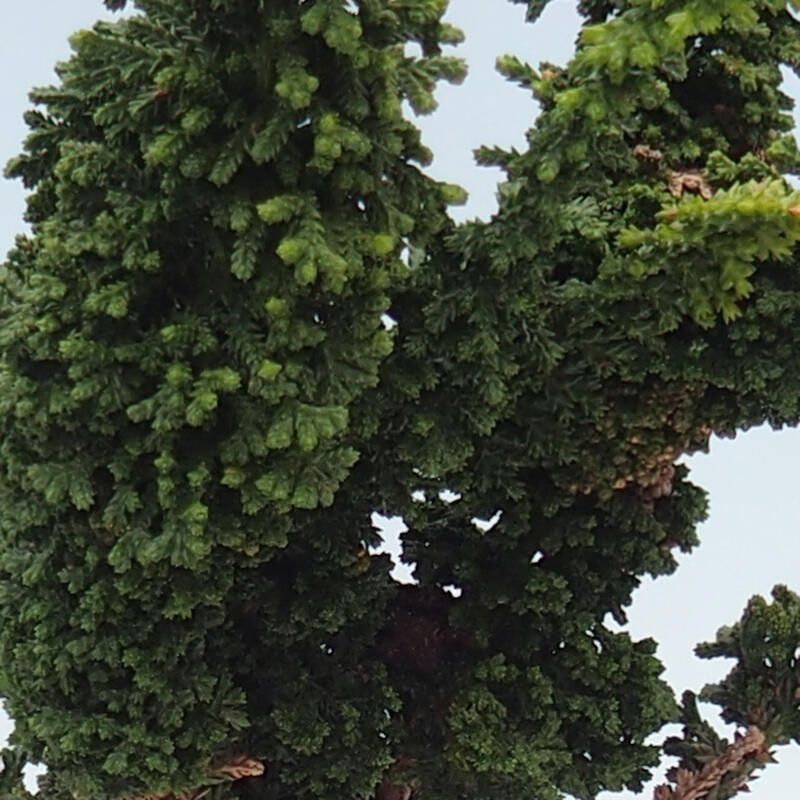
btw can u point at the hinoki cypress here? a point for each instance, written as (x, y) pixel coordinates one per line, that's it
(243, 322)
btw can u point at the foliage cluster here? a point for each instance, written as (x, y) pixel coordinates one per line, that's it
(244, 321)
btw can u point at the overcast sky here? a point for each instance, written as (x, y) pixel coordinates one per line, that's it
(750, 542)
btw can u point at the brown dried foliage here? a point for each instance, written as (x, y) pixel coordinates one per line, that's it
(689, 180)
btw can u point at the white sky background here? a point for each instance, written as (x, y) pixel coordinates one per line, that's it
(750, 542)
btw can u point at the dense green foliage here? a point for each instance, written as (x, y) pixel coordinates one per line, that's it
(203, 401)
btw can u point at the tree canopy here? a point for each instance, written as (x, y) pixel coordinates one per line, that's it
(243, 322)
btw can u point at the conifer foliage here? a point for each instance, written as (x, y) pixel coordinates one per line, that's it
(243, 322)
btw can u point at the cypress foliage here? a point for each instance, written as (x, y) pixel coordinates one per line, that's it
(221, 195)
(202, 403)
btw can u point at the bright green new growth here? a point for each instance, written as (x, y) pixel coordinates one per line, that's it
(202, 402)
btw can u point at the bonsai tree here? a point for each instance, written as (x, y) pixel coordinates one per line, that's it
(244, 322)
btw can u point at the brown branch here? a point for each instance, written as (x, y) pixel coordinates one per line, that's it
(391, 788)
(234, 769)
(696, 784)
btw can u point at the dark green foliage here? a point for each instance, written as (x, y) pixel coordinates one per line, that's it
(764, 686)
(201, 405)
(221, 197)
(761, 690)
